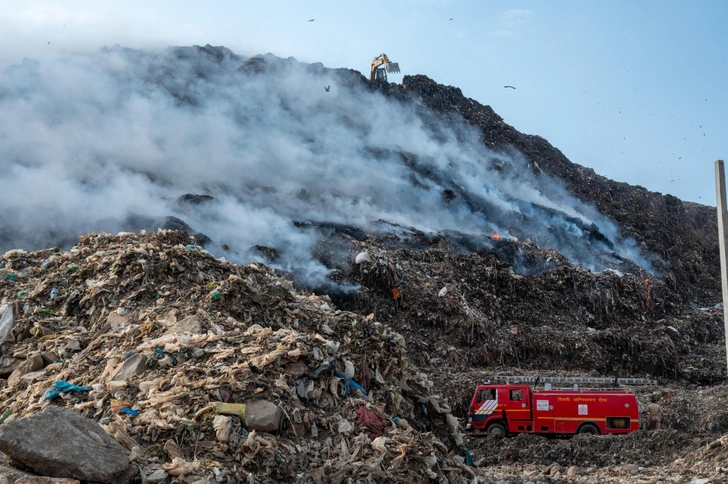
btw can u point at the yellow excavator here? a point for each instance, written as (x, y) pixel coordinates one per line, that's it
(380, 73)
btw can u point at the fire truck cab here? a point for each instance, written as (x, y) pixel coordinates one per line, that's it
(500, 409)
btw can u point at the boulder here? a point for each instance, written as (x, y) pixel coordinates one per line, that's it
(45, 480)
(49, 357)
(10, 474)
(132, 366)
(33, 363)
(262, 415)
(61, 443)
(8, 366)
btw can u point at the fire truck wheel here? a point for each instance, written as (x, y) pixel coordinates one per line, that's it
(496, 430)
(589, 429)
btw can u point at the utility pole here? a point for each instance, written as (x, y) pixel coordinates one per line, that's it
(722, 240)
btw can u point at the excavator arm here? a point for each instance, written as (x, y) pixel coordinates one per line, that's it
(388, 65)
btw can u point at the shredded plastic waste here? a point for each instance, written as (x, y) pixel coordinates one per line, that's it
(64, 387)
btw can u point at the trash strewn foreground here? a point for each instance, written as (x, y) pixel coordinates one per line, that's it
(206, 371)
(202, 368)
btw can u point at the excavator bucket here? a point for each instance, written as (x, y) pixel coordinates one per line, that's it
(393, 67)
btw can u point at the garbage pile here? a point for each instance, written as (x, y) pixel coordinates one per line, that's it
(645, 449)
(202, 369)
(474, 309)
(681, 234)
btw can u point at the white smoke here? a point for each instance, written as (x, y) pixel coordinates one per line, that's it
(94, 138)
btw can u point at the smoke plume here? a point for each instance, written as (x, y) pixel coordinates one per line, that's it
(111, 141)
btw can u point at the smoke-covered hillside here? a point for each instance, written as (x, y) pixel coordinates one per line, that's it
(119, 140)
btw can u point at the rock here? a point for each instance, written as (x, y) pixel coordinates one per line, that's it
(173, 450)
(555, 469)
(45, 480)
(49, 357)
(132, 366)
(8, 366)
(33, 363)
(573, 471)
(62, 443)
(10, 474)
(632, 468)
(157, 476)
(262, 416)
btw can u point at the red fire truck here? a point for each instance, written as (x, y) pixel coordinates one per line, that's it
(516, 405)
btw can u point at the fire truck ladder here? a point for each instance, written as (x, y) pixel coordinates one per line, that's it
(574, 382)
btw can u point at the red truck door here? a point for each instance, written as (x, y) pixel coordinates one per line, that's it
(484, 404)
(487, 399)
(518, 409)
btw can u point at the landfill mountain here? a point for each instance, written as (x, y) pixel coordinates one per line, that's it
(683, 234)
(407, 244)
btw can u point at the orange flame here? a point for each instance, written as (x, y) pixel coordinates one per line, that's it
(495, 236)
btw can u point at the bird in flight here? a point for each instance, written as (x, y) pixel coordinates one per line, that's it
(450, 19)
(312, 20)
(327, 88)
(509, 87)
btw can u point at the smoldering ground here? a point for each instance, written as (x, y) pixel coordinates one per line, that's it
(93, 141)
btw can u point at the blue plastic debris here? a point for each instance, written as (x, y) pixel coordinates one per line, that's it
(469, 459)
(348, 382)
(129, 411)
(55, 293)
(192, 247)
(128, 354)
(64, 387)
(45, 264)
(159, 351)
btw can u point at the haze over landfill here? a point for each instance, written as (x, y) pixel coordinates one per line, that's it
(631, 89)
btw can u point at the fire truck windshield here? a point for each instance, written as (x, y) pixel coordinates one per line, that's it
(486, 394)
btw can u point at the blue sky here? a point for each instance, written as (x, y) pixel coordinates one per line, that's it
(634, 89)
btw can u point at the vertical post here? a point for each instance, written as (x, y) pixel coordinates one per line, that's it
(722, 239)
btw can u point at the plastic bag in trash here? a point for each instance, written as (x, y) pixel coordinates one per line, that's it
(6, 321)
(64, 387)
